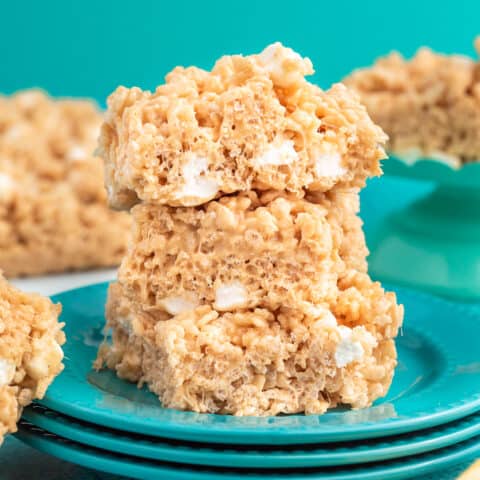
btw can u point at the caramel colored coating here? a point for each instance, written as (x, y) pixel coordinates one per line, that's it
(251, 123)
(30, 351)
(429, 106)
(252, 305)
(251, 362)
(53, 211)
(245, 288)
(244, 251)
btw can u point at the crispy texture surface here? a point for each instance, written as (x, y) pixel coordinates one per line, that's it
(53, 209)
(30, 351)
(245, 251)
(248, 305)
(251, 123)
(250, 362)
(245, 288)
(428, 106)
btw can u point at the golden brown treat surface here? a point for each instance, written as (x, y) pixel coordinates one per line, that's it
(429, 106)
(245, 288)
(53, 212)
(240, 252)
(253, 305)
(30, 351)
(251, 123)
(250, 362)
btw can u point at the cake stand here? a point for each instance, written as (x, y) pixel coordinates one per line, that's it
(434, 243)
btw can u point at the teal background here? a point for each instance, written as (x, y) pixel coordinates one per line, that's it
(87, 48)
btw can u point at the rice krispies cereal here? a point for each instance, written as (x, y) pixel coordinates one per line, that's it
(429, 106)
(250, 362)
(53, 209)
(304, 330)
(241, 252)
(251, 123)
(245, 288)
(30, 351)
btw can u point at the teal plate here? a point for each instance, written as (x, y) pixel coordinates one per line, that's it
(332, 454)
(411, 467)
(468, 176)
(437, 381)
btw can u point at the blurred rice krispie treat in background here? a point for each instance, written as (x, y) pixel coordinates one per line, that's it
(251, 297)
(53, 211)
(429, 106)
(30, 351)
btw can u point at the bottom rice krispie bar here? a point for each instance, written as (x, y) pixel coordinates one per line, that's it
(30, 351)
(257, 362)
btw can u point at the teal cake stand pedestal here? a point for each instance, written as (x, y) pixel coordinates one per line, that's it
(433, 244)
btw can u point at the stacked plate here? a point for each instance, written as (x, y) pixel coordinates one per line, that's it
(429, 422)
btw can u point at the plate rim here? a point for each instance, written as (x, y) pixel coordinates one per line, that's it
(90, 434)
(105, 461)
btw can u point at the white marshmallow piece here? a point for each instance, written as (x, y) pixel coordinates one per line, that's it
(279, 152)
(285, 66)
(77, 153)
(177, 305)
(329, 165)
(230, 296)
(7, 372)
(347, 351)
(7, 185)
(196, 187)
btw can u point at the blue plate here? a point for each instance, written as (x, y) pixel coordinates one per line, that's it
(437, 381)
(332, 454)
(410, 467)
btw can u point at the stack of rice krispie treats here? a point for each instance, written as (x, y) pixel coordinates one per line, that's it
(30, 351)
(429, 105)
(245, 288)
(53, 207)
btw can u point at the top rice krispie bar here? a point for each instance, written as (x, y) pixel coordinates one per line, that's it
(252, 122)
(429, 106)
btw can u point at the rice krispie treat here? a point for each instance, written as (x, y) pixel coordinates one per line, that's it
(244, 251)
(30, 351)
(239, 252)
(429, 106)
(53, 209)
(251, 123)
(216, 307)
(245, 287)
(251, 362)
